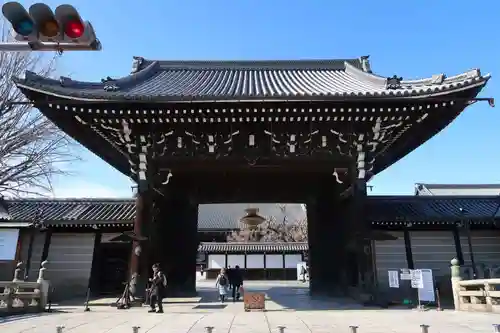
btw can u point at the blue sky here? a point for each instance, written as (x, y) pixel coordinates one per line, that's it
(409, 38)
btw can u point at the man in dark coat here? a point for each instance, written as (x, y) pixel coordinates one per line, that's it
(229, 274)
(158, 286)
(236, 282)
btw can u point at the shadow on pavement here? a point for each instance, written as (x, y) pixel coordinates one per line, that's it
(14, 318)
(297, 298)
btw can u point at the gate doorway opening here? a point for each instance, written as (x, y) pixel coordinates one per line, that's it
(112, 270)
(266, 240)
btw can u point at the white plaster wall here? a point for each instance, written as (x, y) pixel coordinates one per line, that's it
(236, 260)
(274, 261)
(255, 261)
(292, 260)
(216, 261)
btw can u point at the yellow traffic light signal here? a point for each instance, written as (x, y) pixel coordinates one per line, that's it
(41, 25)
(45, 22)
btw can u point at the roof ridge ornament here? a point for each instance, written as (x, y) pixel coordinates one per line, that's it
(365, 64)
(394, 82)
(64, 80)
(136, 64)
(438, 78)
(109, 84)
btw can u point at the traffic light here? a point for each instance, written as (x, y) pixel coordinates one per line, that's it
(40, 24)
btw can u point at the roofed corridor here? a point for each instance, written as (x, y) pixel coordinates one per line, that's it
(287, 305)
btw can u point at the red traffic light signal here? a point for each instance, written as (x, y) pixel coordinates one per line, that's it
(72, 25)
(41, 24)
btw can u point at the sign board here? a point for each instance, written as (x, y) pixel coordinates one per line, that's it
(393, 279)
(254, 301)
(416, 278)
(426, 293)
(405, 274)
(8, 244)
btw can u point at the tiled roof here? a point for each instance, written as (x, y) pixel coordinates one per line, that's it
(213, 247)
(250, 80)
(457, 189)
(72, 211)
(433, 208)
(380, 209)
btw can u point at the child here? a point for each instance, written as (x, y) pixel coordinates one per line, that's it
(222, 283)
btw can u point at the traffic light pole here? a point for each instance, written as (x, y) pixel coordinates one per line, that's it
(38, 46)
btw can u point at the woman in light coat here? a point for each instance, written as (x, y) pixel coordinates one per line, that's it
(222, 284)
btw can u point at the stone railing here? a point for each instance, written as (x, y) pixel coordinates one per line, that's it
(474, 295)
(18, 296)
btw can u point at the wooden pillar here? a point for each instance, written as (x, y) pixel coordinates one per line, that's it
(328, 239)
(139, 257)
(177, 239)
(46, 245)
(408, 248)
(264, 259)
(458, 245)
(284, 266)
(362, 266)
(94, 270)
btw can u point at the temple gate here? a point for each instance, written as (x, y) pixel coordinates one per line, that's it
(198, 132)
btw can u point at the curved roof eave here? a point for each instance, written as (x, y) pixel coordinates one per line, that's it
(391, 95)
(250, 81)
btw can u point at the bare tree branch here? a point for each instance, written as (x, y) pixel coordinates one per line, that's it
(272, 230)
(32, 149)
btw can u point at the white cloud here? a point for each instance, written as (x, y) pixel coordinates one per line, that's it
(91, 190)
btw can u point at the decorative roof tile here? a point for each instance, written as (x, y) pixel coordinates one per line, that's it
(213, 247)
(176, 81)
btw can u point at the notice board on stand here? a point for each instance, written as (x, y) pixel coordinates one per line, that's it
(426, 292)
(254, 301)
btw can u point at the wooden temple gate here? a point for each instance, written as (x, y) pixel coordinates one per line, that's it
(201, 132)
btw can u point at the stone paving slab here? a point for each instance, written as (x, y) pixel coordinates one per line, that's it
(290, 307)
(232, 319)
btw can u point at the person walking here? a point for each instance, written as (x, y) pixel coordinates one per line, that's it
(221, 284)
(303, 272)
(157, 291)
(236, 283)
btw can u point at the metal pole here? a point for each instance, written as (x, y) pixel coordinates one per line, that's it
(30, 253)
(471, 252)
(425, 328)
(37, 46)
(438, 299)
(87, 309)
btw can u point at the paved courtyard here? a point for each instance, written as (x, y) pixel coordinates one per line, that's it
(287, 305)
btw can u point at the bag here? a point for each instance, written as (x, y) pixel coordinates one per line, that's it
(222, 281)
(163, 279)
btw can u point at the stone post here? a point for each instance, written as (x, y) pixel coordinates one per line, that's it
(455, 282)
(44, 284)
(18, 273)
